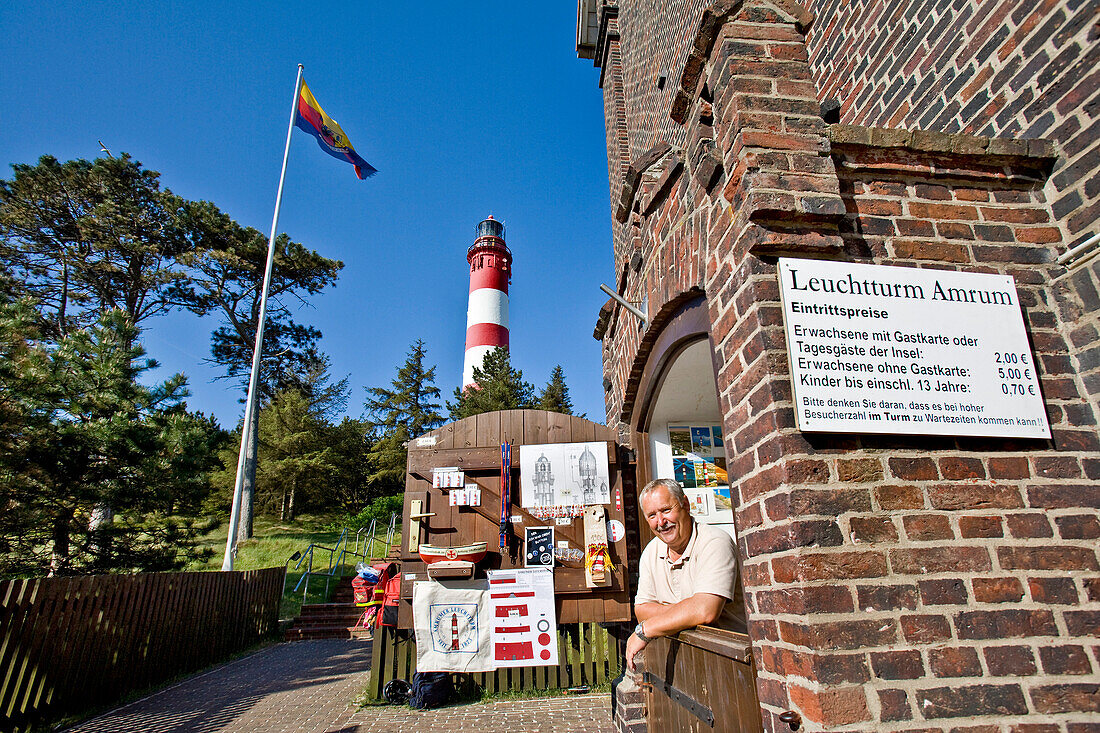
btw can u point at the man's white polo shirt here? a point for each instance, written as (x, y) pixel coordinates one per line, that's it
(708, 565)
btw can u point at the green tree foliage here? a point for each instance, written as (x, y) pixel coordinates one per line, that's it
(397, 415)
(304, 462)
(295, 458)
(555, 395)
(497, 387)
(348, 485)
(225, 270)
(378, 511)
(79, 430)
(224, 276)
(86, 237)
(329, 398)
(83, 238)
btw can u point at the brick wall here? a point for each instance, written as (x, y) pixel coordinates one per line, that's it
(893, 583)
(996, 68)
(1078, 296)
(986, 67)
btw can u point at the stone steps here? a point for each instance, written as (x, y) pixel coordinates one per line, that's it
(336, 620)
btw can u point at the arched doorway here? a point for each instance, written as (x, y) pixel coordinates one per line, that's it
(684, 434)
(676, 420)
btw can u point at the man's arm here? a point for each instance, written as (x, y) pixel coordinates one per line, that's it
(699, 609)
(642, 611)
(660, 619)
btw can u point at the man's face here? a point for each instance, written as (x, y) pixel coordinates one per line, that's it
(669, 519)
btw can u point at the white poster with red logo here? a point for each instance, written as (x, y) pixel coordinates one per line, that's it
(522, 625)
(452, 626)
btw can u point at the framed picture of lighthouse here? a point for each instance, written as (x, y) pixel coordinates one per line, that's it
(564, 474)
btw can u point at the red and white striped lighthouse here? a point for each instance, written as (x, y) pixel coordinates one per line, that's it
(487, 316)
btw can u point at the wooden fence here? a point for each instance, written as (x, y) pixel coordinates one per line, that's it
(68, 643)
(587, 655)
(701, 680)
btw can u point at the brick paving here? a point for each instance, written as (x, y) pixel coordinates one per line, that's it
(581, 714)
(310, 686)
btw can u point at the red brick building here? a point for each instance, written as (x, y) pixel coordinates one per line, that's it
(932, 583)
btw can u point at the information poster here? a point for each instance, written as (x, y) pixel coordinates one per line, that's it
(878, 349)
(564, 474)
(524, 629)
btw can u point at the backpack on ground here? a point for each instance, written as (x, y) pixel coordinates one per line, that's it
(431, 690)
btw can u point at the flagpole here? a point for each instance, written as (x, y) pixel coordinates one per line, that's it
(253, 381)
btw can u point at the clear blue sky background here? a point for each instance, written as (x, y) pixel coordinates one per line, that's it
(466, 109)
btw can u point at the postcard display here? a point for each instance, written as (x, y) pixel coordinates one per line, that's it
(699, 464)
(508, 619)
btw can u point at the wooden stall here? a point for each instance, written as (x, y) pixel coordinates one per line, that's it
(473, 445)
(587, 617)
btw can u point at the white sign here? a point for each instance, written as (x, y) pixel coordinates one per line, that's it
(876, 349)
(448, 478)
(524, 627)
(470, 495)
(559, 474)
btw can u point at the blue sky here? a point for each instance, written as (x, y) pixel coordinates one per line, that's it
(466, 109)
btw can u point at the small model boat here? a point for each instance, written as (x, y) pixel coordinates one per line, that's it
(472, 552)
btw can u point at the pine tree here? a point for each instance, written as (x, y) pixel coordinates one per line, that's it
(497, 386)
(224, 266)
(294, 456)
(83, 238)
(395, 416)
(79, 430)
(555, 395)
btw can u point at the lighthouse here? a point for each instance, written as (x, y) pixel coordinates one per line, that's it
(487, 315)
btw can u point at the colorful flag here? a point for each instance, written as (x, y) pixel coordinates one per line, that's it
(330, 137)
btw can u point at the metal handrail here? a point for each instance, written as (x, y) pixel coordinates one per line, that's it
(370, 533)
(329, 571)
(391, 530)
(337, 554)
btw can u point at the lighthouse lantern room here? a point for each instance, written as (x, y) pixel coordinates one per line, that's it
(487, 316)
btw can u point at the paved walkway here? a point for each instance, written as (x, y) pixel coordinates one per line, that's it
(581, 714)
(309, 686)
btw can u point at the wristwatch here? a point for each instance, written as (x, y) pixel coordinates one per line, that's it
(639, 631)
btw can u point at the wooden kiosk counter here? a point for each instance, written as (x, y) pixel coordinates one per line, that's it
(590, 606)
(473, 446)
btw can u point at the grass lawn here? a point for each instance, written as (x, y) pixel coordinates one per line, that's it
(273, 543)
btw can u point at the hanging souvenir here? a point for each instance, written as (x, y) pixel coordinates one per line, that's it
(597, 559)
(452, 626)
(505, 493)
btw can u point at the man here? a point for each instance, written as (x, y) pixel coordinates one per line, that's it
(687, 574)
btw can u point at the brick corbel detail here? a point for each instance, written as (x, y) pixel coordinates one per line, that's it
(633, 178)
(710, 25)
(781, 183)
